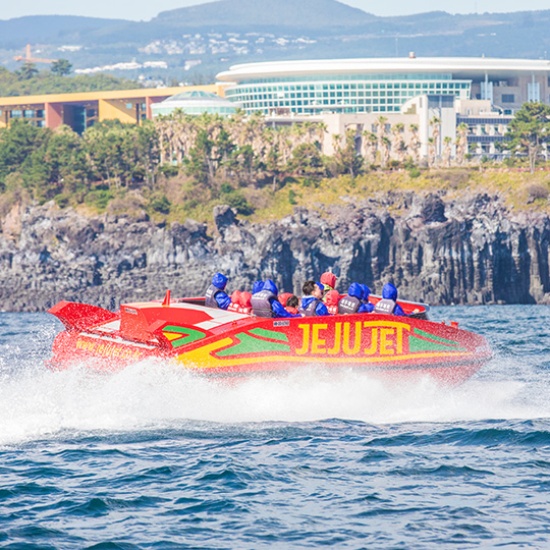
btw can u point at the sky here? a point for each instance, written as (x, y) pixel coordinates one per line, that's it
(145, 9)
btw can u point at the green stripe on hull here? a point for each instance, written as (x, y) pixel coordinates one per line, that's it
(191, 335)
(248, 344)
(434, 337)
(435, 343)
(269, 334)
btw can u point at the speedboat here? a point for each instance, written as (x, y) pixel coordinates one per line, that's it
(225, 343)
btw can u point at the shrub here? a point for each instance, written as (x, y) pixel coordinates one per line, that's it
(62, 200)
(537, 191)
(414, 172)
(226, 188)
(99, 198)
(160, 203)
(237, 200)
(169, 170)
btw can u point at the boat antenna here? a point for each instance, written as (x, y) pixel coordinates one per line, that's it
(166, 301)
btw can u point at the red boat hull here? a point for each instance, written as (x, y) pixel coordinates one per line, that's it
(222, 343)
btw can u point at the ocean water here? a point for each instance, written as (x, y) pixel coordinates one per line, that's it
(154, 457)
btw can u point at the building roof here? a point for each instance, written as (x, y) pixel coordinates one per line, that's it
(194, 98)
(195, 102)
(70, 97)
(460, 67)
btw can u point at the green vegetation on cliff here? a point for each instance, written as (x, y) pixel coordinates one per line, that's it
(181, 166)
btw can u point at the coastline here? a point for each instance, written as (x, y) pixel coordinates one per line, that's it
(472, 250)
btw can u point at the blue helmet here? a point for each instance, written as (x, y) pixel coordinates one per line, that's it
(355, 290)
(366, 291)
(271, 286)
(219, 280)
(257, 287)
(389, 292)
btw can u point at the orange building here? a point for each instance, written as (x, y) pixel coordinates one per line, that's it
(83, 109)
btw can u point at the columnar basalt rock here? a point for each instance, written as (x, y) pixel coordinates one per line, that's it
(467, 251)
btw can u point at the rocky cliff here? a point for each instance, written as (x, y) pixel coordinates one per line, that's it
(467, 251)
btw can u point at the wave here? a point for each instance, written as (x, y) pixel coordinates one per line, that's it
(38, 403)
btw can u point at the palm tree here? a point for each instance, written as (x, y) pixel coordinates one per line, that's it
(447, 140)
(414, 143)
(431, 152)
(435, 124)
(370, 142)
(398, 145)
(461, 142)
(386, 148)
(381, 134)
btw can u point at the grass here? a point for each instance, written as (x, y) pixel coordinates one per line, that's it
(179, 198)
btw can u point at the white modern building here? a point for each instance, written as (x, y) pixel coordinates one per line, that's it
(383, 85)
(483, 93)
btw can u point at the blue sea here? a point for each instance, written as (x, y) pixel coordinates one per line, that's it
(155, 457)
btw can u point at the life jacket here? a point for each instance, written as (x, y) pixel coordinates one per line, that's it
(386, 306)
(210, 296)
(261, 303)
(245, 305)
(235, 301)
(310, 309)
(349, 304)
(333, 310)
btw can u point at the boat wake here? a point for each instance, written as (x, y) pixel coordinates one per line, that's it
(37, 403)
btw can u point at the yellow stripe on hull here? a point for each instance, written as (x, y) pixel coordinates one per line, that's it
(203, 359)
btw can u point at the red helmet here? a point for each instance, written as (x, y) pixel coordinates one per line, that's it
(284, 297)
(246, 298)
(235, 296)
(329, 279)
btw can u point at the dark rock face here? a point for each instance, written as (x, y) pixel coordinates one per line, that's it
(471, 251)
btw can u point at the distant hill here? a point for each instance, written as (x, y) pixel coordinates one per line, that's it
(192, 44)
(47, 28)
(304, 15)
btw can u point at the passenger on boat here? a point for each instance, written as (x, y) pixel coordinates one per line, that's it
(283, 297)
(245, 303)
(353, 301)
(215, 295)
(365, 298)
(257, 286)
(331, 299)
(388, 304)
(312, 300)
(292, 304)
(266, 304)
(328, 280)
(235, 301)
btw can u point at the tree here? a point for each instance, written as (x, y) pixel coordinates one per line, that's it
(347, 160)
(447, 150)
(17, 144)
(414, 143)
(398, 144)
(461, 142)
(27, 71)
(529, 131)
(435, 125)
(370, 143)
(381, 132)
(61, 67)
(307, 160)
